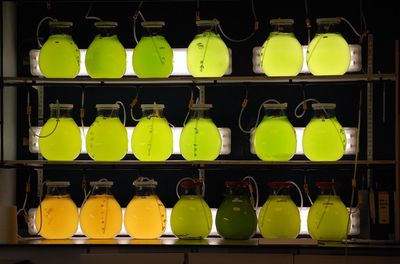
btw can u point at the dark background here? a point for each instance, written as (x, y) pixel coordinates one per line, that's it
(237, 21)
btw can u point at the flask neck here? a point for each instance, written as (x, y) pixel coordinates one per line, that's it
(149, 113)
(282, 29)
(145, 190)
(57, 191)
(59, 112)
(101, 190)
(324, 113)
(324, 28)
(274, 112)
(108, 112)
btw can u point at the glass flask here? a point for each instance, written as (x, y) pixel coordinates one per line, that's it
(324, 138)
(200, 138)
(60, 137)
(207, 54)
(328, 217)
(279, 216)
(152, 56)
(60, 214)
(101, 214)
(275, 137)
(152, 137)
(281, 53)
(59, 57)
(107, 139)
(145, 215)
(106, 57)
(191, 217)
(328, 52)
(236, 217)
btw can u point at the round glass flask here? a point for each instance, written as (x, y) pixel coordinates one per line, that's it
(57, 215)
(191, 217)
(324, 138)
(236, 217)
(328, 217)
(101, 214)
(328, 52)
(207, 54)
(105, 57)
(59, 57)
(279, 216)
(200, 138)
(152, 56)
(281, 53)
(107, 139)
(145, 215)
(60, 137)
(275, 137)
(152, 137)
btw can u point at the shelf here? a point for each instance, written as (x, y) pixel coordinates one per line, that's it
(17, 81)
(183, 163)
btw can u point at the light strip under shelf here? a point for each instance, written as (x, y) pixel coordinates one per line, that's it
(176, 132)
(355, 59)
(354, 227)
(179, 63)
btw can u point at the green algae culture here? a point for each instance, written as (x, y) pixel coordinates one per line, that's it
(279, 216)
(153, 56)
(106, 57)
(207, 54)
(152, 137)
(191, 216)
(328, 217)
(60, 137)
(324, 138)
(328, 52)
(236, 217)
(107, 139)
(281, 53)
(59, 57)
(275, 137)
(200, 138)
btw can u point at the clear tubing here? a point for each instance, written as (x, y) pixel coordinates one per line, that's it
(256, 187)
(38, 29)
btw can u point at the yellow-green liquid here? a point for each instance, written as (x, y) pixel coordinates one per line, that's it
(281, 55)
(64, 143)
(60, 217)
(327, 219)
(145, 217)
(105, 58)
(279, 218)
(275, 139)
(107, 139)
(191, 218)
(328, 54)
(152, 139)
(324, 140)
(207, 56)
(200, 140)
(101, 217)
(152, 58)
(59, 57)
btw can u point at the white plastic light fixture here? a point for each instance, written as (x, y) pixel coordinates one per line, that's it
(179, 63)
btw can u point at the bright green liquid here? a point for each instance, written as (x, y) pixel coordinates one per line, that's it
(275, 139)
(107, 139)
(191, 218)
(236, 218)
(152, 139)
(281, 55)
(152, 58)
(64, 143)
(327, 218)
(279, 218)
(59, 57)
(324, 140)
(207, 56)
(105, 58)
(200, 140)
(328, 54)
